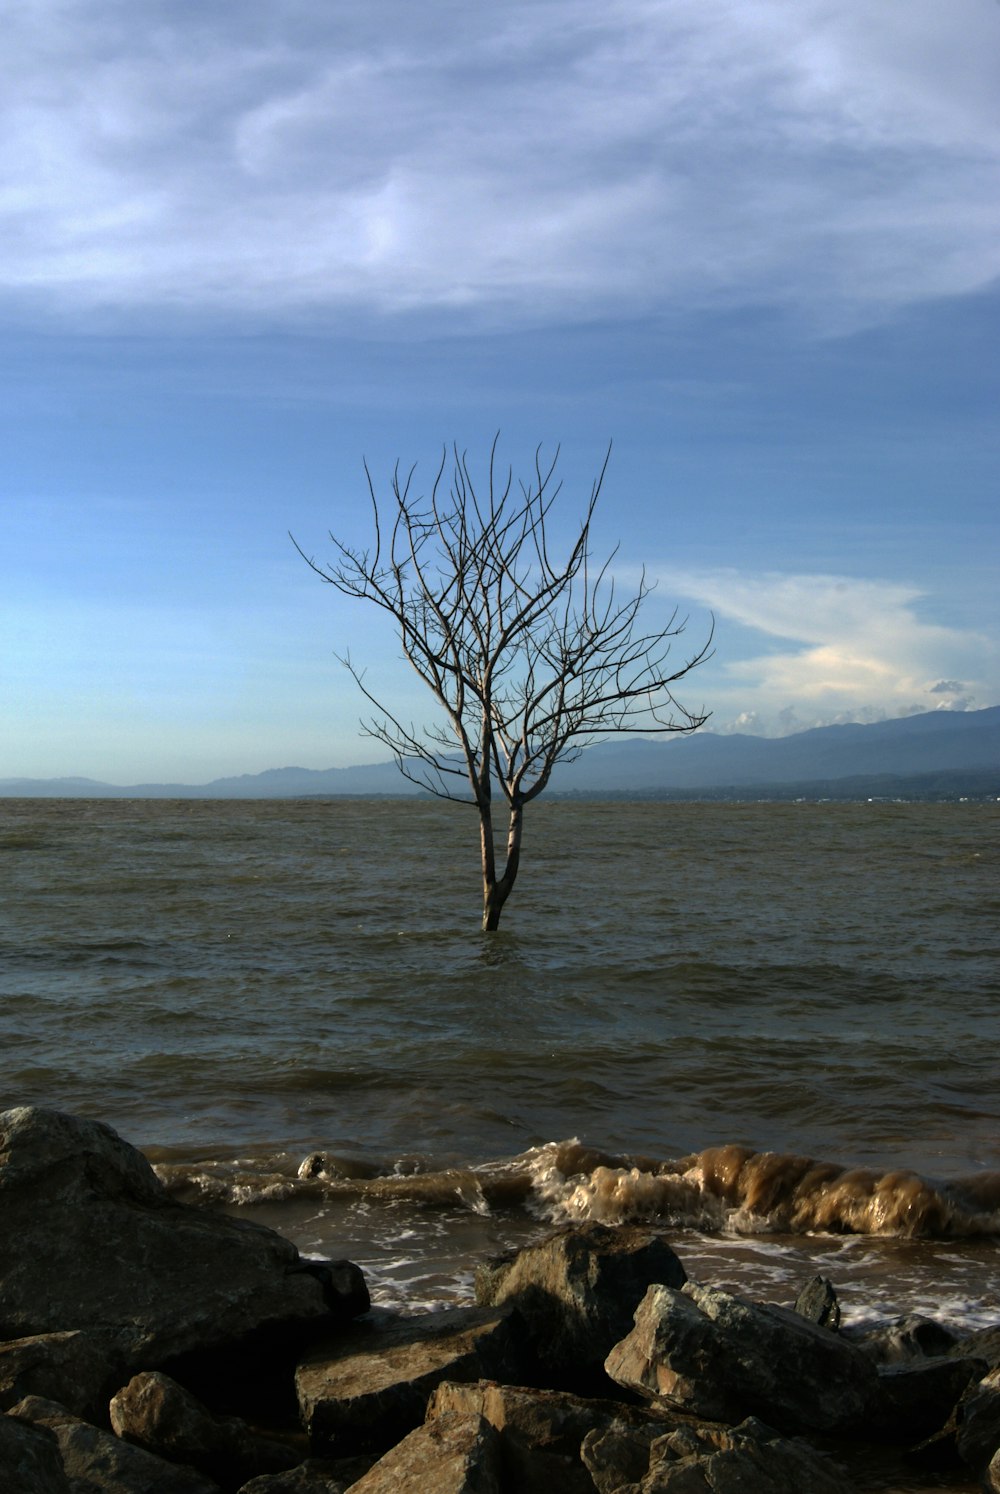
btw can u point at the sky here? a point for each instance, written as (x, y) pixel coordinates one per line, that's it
(245, 249)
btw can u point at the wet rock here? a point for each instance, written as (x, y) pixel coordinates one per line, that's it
(979, 1422)
(29, 1460)
(724, 1358)
(542, 1431)
(817, 1302)
(577, 1290)
(750, 1457)
(368, 1387)
(911, 1337)
(92, 1241)
(154, 1412)
(917, 1398)
(96, 1462)
(449, 1455)
(79, 1370)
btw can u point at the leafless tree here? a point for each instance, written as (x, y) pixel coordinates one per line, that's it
(528, 657)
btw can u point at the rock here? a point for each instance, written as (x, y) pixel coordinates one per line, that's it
(92, 1241)
(750, 1459)
(991, 1478)
(314, 1476)
(368, 1387)
(916, 1399)
(450, 1455)
(979, 1422)
(154, 1412)
(724, 1358)
(983, 1344)
(577, 1290)
(618, 1454)
(542, 1431)
(817, 1302)
(902, 1339)
(96, 1462)
(79, 1370)
(29, 1460)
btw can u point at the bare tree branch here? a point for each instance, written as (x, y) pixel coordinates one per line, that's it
(529, 659)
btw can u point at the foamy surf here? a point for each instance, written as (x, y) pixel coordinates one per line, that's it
(728, 1189)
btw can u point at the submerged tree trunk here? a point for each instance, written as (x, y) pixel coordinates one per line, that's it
(496, 890)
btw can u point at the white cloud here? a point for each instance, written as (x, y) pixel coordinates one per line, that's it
(522, 160)
(842, 649)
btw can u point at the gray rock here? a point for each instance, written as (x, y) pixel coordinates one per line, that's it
(542, 1432)
(918, 1398)
(979, 1422)
(983, 1344)
(817, 1301)
(450, 1455)
(29, 1460)
(92, 1241)
(911, 1337)
(314, 1476)
(749, 1459)
(724, 1358)
(96, 1462)
(154, 1412)
(577, 1290)
(618, 1454)
(368, 1387)
(77, 1369)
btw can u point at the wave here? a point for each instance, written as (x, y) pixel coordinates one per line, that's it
(726, 1189)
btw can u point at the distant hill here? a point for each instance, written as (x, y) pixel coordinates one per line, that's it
(939, 754)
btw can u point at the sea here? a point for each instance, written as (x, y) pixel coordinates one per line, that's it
(771, 1030)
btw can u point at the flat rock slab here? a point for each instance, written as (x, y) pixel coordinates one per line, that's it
(96, 1461)
(450, 1455)
(92, 1241)
(368, 1387)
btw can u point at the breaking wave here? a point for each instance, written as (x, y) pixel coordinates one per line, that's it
(726, 1189)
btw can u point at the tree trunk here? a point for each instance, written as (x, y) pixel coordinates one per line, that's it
(497, 891)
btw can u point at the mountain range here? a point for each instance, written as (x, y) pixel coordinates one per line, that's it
(934, 755)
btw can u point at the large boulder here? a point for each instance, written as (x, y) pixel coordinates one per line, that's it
(543, 1432)
(577, 1290)
(75, 1368)
(91, 1241)
(96, 1462)
(369, 1386)
(154, 1412)
(979, 1422)
(750, 1457)
(30, 1462)
(450, 1455)
(719, 1356)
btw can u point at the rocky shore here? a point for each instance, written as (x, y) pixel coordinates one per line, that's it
(150, 1347)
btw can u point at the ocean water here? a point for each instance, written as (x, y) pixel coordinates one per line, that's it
(771, 1029)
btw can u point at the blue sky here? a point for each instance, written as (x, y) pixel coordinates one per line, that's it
(243, 248)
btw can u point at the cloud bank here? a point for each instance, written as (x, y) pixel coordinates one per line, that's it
(817, 650)
(523, 161)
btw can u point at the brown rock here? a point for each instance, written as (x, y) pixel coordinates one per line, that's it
(96, 1462)
(29, 1460)
(917, 1398)
(92, 1241)
(577, 1290)
(450, 1455)
(979, 1422)
(724, 1358)
(154, 1412)
(542, 1431)
(368, 1387)
(314, 1476)
(79, 1370)
(749, 1459)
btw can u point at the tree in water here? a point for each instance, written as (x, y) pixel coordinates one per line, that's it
(528, 657)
